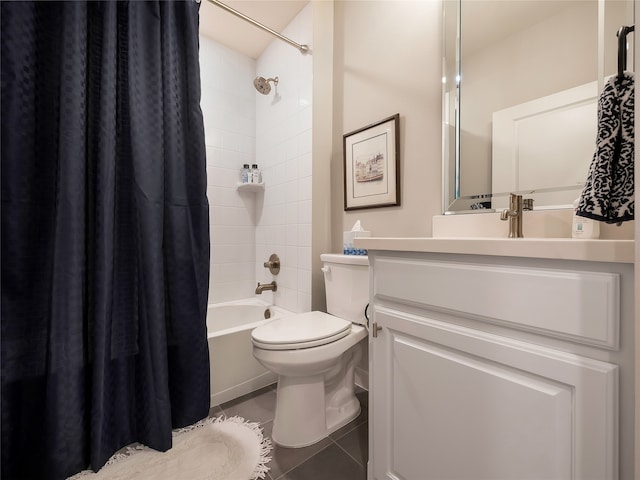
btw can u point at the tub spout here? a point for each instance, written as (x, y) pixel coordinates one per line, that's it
(273, 286)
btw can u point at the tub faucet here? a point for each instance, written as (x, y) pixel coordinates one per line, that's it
(514, 215)
(273, 286)
(273, 264)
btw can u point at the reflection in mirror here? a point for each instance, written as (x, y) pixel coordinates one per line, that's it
(520, 88)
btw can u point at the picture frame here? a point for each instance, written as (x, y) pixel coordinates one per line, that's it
(372, 165)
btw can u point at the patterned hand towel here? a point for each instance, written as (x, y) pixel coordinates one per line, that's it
(608, 194)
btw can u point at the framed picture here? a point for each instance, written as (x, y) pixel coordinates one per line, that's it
(371, 165)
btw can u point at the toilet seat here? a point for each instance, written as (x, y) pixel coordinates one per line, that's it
(305, 330)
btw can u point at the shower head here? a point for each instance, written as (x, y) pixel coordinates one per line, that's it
(263, 86)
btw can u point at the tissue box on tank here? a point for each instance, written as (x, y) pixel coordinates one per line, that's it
(347, 241)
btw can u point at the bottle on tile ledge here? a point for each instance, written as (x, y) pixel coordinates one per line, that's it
(244, 173)
(256, 175)
(584, 227)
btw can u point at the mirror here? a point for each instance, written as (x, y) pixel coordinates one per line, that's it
(520, 86)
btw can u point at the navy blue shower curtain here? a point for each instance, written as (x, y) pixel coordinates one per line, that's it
(105, 232)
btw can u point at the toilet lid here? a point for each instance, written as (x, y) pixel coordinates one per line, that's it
(305, 330)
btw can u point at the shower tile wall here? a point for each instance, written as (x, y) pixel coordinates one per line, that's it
(274, 131)
(283, 146)
(228, 105)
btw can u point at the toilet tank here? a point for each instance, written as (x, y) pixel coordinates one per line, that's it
(346, 281)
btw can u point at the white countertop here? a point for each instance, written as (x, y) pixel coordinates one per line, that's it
(616, 251)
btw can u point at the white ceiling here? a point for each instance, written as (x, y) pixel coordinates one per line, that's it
(240, 35)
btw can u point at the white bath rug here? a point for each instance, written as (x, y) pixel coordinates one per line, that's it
(212, 449)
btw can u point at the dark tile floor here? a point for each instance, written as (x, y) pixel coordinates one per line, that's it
(341, 456)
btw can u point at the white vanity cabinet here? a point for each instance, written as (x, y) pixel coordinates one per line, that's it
(489, 367)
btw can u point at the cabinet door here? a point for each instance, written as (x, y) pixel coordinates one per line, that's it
(449, 402)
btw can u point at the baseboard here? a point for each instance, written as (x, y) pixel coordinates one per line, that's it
(243, 388)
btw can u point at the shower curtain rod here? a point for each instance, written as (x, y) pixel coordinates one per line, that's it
(303, 48)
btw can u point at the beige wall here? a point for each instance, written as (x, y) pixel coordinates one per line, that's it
(387, 57)
(323, 14)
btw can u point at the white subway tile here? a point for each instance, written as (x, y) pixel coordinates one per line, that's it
(279, 195)
(304, 281)
(231, 216)
(280, 236)
(304, 188)
(304, 235)
(304, 142)
(278, 173)
(222, 177)
(291, 169)
(222, 234)
(292, 213)
(231, 141)
(305, 116)
(210, 154)
(291, 255)
(304, 212)
(304, 302)
(289, 299)
(291, 148)
(292, 235)
(305, 167)
(288, 277)
(291, 189)
(246, 127)
(304, 258)
(222, 196)
(248, 142)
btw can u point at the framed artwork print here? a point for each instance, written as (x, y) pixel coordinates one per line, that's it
(371, 165)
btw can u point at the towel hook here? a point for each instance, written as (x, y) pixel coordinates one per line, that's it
(622, 49)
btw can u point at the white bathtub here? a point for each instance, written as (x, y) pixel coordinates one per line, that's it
(234, 372)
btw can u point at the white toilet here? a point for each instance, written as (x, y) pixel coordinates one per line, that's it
(315, 355)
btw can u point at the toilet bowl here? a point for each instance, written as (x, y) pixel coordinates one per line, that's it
(315, 355)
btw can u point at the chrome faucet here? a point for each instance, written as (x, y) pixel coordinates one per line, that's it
(273, 286)
(514, 215)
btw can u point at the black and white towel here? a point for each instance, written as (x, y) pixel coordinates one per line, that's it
(608, 194)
